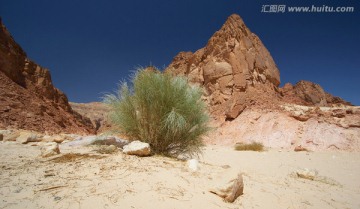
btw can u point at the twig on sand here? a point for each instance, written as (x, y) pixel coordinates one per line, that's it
(50, 188)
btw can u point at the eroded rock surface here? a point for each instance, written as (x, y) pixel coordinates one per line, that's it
(28, 99)
(234, 67)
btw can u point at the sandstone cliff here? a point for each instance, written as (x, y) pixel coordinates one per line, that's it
(28, 99)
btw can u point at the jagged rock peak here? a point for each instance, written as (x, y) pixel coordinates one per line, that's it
(233, 61)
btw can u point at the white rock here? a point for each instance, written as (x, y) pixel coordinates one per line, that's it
(306, 174)
(50, 149)
(228, 185)
(193, 165)
(137, 148)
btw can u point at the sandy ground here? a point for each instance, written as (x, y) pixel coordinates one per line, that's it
(86, 179)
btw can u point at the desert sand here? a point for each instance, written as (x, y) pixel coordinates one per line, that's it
(83, 178)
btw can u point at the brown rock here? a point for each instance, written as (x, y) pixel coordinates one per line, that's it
(300, 149)
(26, 137)
(308, 93)
(233, 62)
(28, 98)
(12, 136)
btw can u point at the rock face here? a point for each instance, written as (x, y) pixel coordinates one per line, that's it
(310, 94)
(234, 67)
(238, 72)
(97, 112)
(28, 99)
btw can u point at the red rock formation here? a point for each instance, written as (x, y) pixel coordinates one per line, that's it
(234, 67)
(310, 94)
(28, 99)
(237, 72)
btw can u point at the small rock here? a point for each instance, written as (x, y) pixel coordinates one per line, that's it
(229, 186)
(1, 137)
(111, 140)
(26, 137)
(50, 149)
(193, 165)
(59, 139)
(137, 148)
(307, 174)
(300, 149)
(11, 136)
(107, 149)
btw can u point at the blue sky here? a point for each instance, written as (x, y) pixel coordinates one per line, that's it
(89, 46)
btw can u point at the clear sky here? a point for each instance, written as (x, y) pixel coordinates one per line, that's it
(89, 46)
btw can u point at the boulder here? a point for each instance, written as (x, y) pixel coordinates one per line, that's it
(111, 140)
(228, 186)
(26, 137)
(11, 136)
(137, 148)
(50, 149)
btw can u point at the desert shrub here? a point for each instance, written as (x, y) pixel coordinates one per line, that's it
(254, 146)
(162, 110)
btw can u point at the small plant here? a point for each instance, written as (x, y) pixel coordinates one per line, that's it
(254, 146)
(162, 110)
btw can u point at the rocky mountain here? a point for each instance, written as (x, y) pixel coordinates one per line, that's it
(241, 82)
(28, 99)
(308, 93)
(234, 67)
(238, 71)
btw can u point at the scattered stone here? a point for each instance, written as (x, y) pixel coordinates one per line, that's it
(229, 186)
(300, 149)
(55, 138)
(193, 165)
(104, 149)
(59, 139)
(111, 140)
(26, 137)
(137, 148)
(11, 136)
(50, 149)
(306, 174)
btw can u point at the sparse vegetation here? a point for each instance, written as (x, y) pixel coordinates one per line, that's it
(254, 146)
(162, 110)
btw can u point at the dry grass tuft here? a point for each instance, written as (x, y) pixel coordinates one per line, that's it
(254, 146)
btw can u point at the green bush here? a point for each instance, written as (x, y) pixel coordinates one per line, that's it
(162, 110)
(254, 146)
